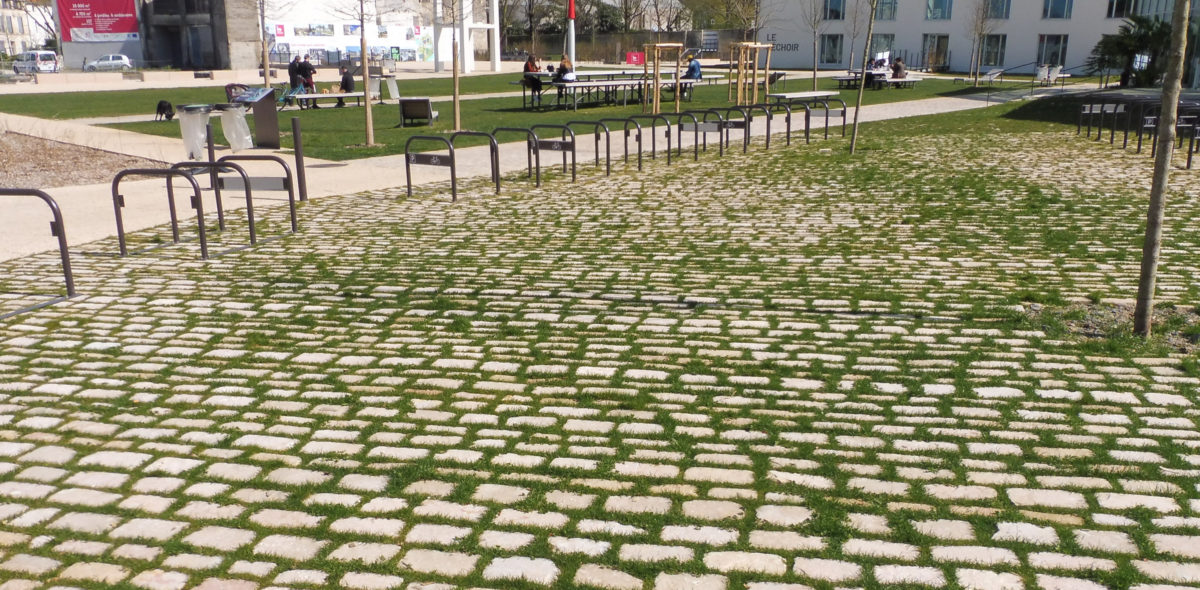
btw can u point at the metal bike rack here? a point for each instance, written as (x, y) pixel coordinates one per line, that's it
(285, 182)
(829, 113)
(766, 109)
(298, 148)
(426, 159)
(626, 123)
(58, 230)
(743, 124)
(167, 173)
(492, 146)
(563, 145)
(215, 169)
(700, 128)
(787, 118)
(653, 145)
(530, 153)
(597, 126)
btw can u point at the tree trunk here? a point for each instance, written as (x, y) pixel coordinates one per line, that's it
(366, 72)
(814, 60)
(457, 104)
(862, 76)
(1143, 314)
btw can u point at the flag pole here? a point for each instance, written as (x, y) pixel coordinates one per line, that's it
(571, 31)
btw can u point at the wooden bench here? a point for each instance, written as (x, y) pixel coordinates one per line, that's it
(357, 96)
(414, 109)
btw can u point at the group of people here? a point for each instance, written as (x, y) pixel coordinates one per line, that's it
(565, 72)
(300, 74)
(899, 70)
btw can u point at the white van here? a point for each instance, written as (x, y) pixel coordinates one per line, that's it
(35, 62)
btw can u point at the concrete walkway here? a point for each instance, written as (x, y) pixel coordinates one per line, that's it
(88, 209)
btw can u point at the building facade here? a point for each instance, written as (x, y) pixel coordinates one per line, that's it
(17, 31)
(940, 35)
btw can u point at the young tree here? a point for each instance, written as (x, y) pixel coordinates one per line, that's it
(1143, 314)
(857, 16)
(812, 14)
(980, 23)
(862, 74)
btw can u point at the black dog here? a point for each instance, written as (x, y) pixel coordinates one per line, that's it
(165, 111)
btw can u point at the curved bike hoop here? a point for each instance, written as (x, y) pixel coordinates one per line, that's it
(411, 158)
(597, 126)
(167, 173)
(767, 112)
(787, 117)
(743, 124)
(701, 127)
(216, 168)
(492, 146)
(530, 153)
(559, 145)
(57, 229)
(625, 141)
(653, 145)
(829, 111)
(287, 178)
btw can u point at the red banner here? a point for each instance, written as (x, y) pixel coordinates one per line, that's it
(98, 20)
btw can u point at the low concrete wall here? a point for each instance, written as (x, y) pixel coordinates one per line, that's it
(63, 78)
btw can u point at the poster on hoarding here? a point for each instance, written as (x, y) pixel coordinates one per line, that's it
(98, 20)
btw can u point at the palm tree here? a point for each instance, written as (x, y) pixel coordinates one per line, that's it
(1139, 48)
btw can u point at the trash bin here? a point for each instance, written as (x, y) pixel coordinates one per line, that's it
(193, 125)
(233, 123)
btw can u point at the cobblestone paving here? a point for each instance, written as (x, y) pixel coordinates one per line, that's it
(785, 371)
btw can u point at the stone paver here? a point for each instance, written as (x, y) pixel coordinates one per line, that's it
(772, 371)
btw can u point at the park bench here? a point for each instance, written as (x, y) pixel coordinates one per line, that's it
(415, 109)
(313, 96)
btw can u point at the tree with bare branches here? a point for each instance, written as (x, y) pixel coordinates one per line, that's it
(812, 15)
(858, 14)
(41, 14)
(980, 24)
(862, 72)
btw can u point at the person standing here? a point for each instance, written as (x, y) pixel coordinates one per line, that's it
(294, 79)
(347, 85)
(307, 71)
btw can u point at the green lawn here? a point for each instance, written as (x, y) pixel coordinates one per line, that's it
(337, 134)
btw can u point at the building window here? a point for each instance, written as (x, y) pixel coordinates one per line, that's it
(831, 49)
(1121, 8)
(936, 49)
(992, 51)
(834, 10)
(998, 9)
(938, 9)
(1056, 8)
(1052, 50)
(882, 45)
(885, 10)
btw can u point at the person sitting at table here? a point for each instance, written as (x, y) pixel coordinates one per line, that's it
(898, 69)
(532, 81)
(564, 73)
(693, 69)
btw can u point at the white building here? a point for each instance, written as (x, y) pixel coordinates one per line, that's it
(17, 31)
(937, 34)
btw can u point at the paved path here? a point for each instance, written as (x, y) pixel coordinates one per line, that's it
(88, 209)
(721, 375)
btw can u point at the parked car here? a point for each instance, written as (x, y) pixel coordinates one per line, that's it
(115, 61)
(37, 62)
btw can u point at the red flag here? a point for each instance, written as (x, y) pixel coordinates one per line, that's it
(571, 9)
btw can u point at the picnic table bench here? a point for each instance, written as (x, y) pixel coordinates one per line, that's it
(313, 96)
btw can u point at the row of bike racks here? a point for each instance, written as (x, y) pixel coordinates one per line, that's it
(185, 171)
(700, 123)
(1136, 114)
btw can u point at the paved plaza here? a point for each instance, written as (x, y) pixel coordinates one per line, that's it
(783, 370)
